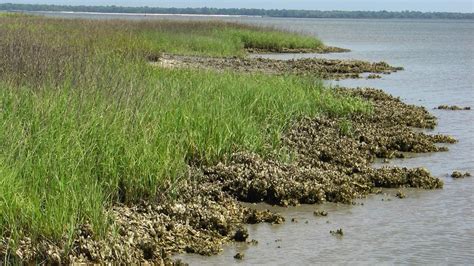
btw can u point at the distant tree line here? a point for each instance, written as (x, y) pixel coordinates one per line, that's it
(243, 11)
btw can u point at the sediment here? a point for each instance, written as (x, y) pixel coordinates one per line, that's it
(318, 67)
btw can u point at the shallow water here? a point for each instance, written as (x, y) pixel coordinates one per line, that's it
(426, 227)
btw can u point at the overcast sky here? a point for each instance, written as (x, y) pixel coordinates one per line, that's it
(391, 5)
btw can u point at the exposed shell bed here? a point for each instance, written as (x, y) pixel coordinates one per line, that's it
(323, 68)
(329, 165)
(453, 108)
(458, 174)
(320, 50)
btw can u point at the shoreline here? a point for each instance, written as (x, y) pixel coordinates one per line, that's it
(132, 14)
(274, 13)
(321, 50)
(323, 172)
(319, 67)
(332, 163)
(323, 158)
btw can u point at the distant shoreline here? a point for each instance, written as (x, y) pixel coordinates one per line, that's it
(133, 14)
(234, 12)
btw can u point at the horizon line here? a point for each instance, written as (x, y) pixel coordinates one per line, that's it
(242, 8)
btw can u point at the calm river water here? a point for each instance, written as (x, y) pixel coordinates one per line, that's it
(424, 228)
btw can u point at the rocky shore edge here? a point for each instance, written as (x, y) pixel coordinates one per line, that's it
(332, 163)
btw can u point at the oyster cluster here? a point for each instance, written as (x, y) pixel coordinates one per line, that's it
(204, 212)
(323, 68)
(337, 232)
(458, 174)
(319, 50)
(335, 167)
(453, 107)
(200, 220)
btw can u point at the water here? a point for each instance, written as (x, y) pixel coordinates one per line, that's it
(424, 228)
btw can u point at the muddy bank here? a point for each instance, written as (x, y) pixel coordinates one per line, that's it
(319, 67)
(332, 163)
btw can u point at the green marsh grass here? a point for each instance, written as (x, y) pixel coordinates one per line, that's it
(87, 122)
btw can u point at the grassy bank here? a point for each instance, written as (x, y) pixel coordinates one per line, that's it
(86, 122)
(151, 37)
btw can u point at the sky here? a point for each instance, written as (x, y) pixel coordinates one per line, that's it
(373, 5)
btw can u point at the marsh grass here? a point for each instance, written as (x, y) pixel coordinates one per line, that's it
(86, 122)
